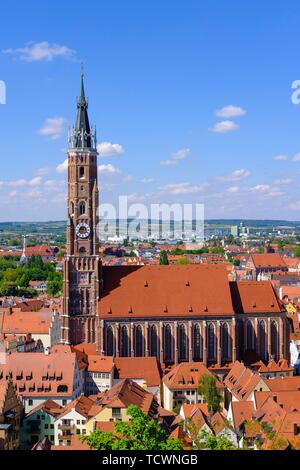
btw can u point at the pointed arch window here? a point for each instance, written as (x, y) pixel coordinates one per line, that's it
(182, 343)
(139, 341)
(81, 172)
(250, 336)
(274, 339)
(109, 341)
(262, 339)
(153, 341)
(124, 341)
(167, 343)
(225, 341)
(211, 342)
(197, 346)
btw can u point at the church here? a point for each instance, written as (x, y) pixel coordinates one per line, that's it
(176, 313)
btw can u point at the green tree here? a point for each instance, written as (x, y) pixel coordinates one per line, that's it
(297, 251)
(209, 391)
(182, 261)
(212, 442)
(163, 258)
(140, 433)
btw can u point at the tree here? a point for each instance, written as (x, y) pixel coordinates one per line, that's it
(163, 258)
(297, 251)
(212, 442)
(140, 433)
(182, 261)
(209, 391)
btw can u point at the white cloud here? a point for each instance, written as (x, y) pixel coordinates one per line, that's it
(283, 181)
(236, 175)
(108, 168)
(127, 178)
(280, 157)
(180, 154)
(12, 193)
(230, 111)
(296, 158)
(35, 181)
(233, 189)
(17, 183)
(295, 206)
(50, 183)
(53, 127)
(41, 51)
(176, 157)
(184, 188)
(62, 167)
(224, 126)
(260, 188)
(107, 149)
(168, 162)
(42, 171)
(148, 180)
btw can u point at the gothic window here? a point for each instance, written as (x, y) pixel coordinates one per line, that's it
(262, 339)
(81, 208)
(82, 250)
(182, 343)
(196, 343)
(139, 341)
(109, 341)
(225, 341)
(153, 341)
(250, 336)
(211, 342)
(167, 343)
(81, 172)
(124, 342)
(72, 208)
(274, 339)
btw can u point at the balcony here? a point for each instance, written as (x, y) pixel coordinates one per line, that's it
(67, 427)
(63, 437)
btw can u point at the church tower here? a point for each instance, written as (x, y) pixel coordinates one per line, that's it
(82, 264)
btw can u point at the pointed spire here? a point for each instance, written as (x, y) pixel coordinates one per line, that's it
(82, 133)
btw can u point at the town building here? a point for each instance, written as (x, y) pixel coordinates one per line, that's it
(39, 376)
(43, 325)
(39, 424)
(11, 411)
(181, 384)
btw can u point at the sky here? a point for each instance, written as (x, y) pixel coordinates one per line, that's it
(192, 103)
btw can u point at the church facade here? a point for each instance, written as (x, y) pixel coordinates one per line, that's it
(175, 313)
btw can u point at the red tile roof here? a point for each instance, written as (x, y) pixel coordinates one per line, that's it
(186, 375)
(268, 260)
(145, 368)
(137, 291)
(253, 297)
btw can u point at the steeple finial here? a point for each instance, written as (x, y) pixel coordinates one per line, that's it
(82, 137)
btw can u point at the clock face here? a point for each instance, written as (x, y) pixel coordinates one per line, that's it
(83, 230)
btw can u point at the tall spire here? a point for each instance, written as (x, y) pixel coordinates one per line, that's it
(82, 137)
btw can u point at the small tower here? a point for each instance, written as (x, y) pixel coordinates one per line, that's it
(23, 259)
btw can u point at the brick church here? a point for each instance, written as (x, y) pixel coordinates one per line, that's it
(177, 312)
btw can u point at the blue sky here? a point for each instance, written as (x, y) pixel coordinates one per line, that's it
(192, 102)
